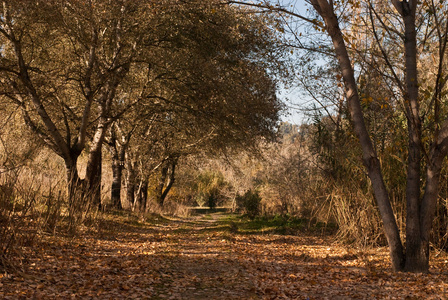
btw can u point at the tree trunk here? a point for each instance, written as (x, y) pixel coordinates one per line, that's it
(118, 147)
(162, 180)
(117, 174)
(130, 183)
(73, 181)
(171, 178)
(419, 261)
(75, 193)
(142, 194)
(118, 155)
(94, 165)
(417, 258)
(93, 178)
(167, 166)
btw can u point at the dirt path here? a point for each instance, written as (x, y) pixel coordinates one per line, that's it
(205, 258)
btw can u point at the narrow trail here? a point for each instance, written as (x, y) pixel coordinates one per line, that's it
(203, 257)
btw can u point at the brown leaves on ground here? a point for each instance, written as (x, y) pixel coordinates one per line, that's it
(203, 259)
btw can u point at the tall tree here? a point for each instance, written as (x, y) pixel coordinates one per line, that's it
(64, 61)
(412, 30)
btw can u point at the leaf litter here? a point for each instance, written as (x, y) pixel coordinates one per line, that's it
(198, 258)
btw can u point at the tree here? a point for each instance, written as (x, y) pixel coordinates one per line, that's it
(118, 143)
(429, 152)
(64, 62)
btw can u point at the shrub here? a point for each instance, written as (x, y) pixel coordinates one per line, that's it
(249, 203)
(213, 198)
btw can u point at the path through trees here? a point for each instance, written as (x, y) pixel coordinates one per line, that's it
(210, 257)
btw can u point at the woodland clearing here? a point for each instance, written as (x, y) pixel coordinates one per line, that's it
(211, 256)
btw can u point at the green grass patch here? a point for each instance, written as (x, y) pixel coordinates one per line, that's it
(155, 219)
(284, 225)
(277, 224)
(207, 217)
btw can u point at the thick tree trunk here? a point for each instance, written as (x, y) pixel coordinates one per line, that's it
(75, 193)
(171, 178)
(370, 159)
(118, 145)
(93, 178)
(73, 181)
(420, 261)
(418, 258)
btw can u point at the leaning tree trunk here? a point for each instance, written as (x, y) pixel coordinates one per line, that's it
(171, 179)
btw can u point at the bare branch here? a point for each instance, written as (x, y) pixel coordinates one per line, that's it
(276, 9)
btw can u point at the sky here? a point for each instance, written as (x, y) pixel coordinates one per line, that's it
(293, 96)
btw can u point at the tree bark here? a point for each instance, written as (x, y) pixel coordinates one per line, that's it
(417, 260)
(73, 180)
(93, 170)
(75, 193)
(118, 153)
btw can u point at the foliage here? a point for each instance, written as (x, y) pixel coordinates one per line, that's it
(209, 188)
(184, 94)
(153, 81)
(194, 105)
(249, 203)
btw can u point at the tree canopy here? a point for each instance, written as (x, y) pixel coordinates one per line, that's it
(201, 75)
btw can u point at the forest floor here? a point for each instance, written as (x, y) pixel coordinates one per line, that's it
(214, 256)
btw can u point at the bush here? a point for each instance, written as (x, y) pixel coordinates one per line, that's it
(210, 189)
(249, 203)
(213, 198)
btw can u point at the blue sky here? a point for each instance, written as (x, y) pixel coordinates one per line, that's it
(293, 96)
